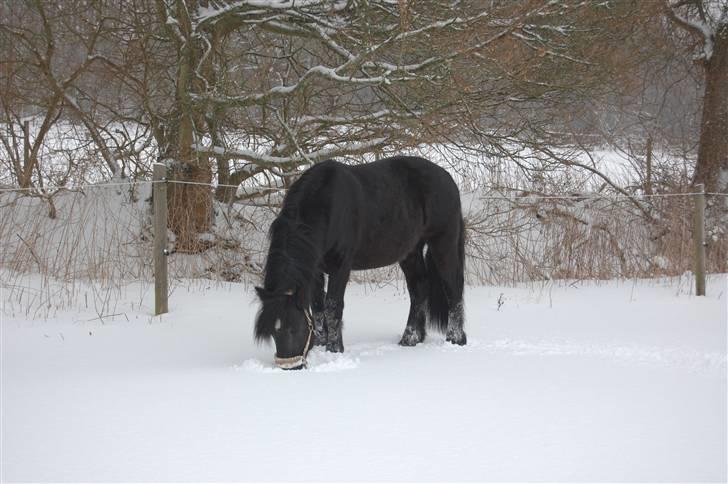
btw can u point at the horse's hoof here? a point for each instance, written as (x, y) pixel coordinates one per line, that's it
(335, 347)
(457, 337)
(411, 337)
(318, 341)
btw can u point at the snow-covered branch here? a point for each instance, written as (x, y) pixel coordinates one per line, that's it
(701, 18)
(266, 160)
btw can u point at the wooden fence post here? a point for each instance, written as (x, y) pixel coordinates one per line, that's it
(159, 188)
(26, 144)
(26, 174)
(699, 239)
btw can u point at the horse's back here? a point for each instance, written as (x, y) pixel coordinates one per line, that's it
(415, 181)
(407, 200)
(376, 213)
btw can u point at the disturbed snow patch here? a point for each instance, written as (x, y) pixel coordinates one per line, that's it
(677, 357)
(257, 366)
(318, 361)
(323, 361)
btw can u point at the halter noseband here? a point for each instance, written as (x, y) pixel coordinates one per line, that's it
(297, 361)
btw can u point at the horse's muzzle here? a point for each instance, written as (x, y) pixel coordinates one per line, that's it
(298, 362)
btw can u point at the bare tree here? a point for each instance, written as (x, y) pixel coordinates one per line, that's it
(60, 71)
(233, 90)
(706, 22)
(271, 87)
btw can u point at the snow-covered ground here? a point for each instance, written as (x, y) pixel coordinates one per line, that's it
(607, 381)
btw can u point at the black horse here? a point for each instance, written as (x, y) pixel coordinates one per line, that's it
(338, 218)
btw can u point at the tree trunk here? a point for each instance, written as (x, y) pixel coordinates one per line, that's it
(648, 166)
(712, 166)
(190, 197)
(190, 201)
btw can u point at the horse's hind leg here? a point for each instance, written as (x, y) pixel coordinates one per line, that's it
(415, 274)
(318, 298)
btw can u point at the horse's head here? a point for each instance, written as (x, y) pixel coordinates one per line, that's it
(286, 319)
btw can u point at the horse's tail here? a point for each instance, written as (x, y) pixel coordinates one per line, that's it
(437, 305)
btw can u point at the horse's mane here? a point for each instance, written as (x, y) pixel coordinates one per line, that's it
(291, 262)
(290, 259)
(293, 255)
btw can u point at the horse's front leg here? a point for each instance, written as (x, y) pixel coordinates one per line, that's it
(334, 309)
(318, 301)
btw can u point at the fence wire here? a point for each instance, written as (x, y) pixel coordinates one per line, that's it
(213, 186)
(82, 245)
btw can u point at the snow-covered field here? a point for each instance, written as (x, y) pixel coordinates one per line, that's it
(607, 381)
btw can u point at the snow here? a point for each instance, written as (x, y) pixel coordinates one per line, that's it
(607, 381)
